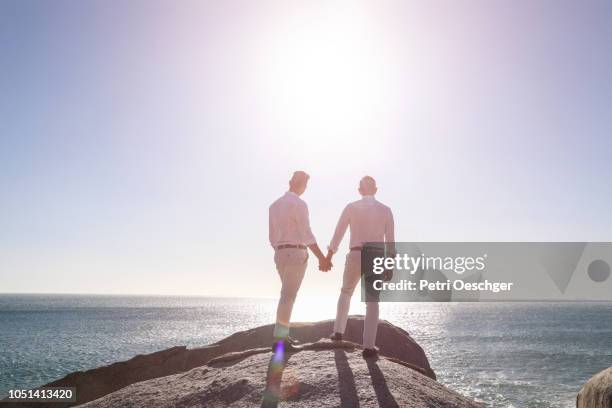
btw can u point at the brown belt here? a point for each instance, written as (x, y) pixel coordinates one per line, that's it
(291, 246)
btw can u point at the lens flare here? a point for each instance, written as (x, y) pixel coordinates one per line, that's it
(279, 353)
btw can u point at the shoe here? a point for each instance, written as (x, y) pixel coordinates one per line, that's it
(291, 340)
(370, 353)
(336, 337)
(285, 346)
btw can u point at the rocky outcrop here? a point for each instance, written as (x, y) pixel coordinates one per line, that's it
(324, 374)
(597, 392)
(240, 369)
(392, 340)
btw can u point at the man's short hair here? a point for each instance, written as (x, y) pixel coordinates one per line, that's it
(299, 177)
(367, 183)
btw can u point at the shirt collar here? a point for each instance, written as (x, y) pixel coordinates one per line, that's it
(292, 193)
(368, 197)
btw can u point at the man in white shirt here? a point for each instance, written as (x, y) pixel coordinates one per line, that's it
(370, 221)
(290, 236)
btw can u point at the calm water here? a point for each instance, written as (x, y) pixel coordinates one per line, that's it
(506, 355)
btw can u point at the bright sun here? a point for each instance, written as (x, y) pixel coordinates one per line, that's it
(323, 77)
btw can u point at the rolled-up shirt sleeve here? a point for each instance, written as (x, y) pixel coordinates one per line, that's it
(303, 224)
(341, 227)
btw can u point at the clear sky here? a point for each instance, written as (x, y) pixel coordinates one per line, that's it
(141, 142)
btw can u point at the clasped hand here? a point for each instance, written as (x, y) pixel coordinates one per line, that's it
(325, 264)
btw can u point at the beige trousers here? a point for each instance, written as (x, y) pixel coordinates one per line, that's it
(350, 279)
(291, 265)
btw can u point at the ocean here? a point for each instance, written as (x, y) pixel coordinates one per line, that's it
(503, 354)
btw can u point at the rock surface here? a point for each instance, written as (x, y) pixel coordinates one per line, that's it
(323, 375)
(241, 371)
(92, 384)
(597, 392)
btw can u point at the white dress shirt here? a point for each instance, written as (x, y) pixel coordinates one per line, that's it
(370, 221)
(289, 222)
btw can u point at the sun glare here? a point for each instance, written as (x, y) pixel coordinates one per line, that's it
(324, 76)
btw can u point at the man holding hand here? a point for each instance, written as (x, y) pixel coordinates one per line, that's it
(370, 221)
(290, 236)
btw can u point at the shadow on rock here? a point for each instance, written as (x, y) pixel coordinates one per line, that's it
(346, 381)
(274, 378)
(383, 395)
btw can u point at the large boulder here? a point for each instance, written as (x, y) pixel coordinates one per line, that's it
(325, 374)
(597, 392)
(393, 342)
